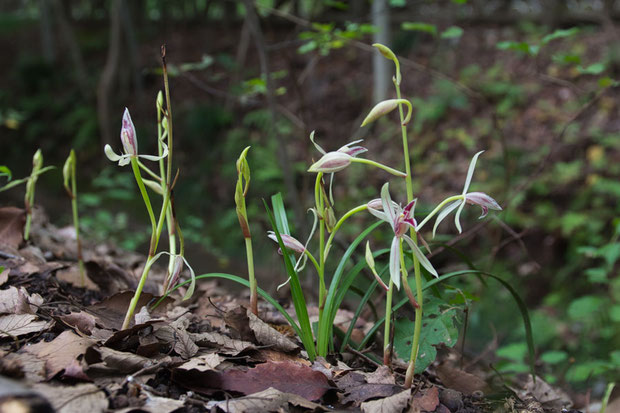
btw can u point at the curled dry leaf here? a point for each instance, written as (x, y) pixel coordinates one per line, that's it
(269, 400)
(61, 352)
(393, 404)
(175, 335)
(12, 222)
(202, 363)
(18, 301)
(223, 343)
(356, 389)
(110, 312)
(269, 336)
(460, 380)
(82, 321)
(15, 325)
(428, 400)
(76, 398)
(107, 360)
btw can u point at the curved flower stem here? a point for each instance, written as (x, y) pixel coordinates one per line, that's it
(414, 237)
(312, 259)
(339, 224)
(437, 209)
(251, 277)
(145, 195)
(134, 301)
(76, 224)
(320, 202)
(381, 166)
(148, 170)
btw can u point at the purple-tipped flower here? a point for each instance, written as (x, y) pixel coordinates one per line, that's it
(128, 135)
(336, 160)
(484, 201)
(400, 219)
(290, 242)
(129, 140)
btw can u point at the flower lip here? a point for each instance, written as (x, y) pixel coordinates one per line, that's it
(483, 200)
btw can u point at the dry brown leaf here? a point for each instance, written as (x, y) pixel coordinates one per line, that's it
(110, 312)
(61, 352)
(119, 361)
(460, 380)
(549, 397)
(224, 344)
(286, 377)
(18, 301)
(383, 375)
(357, 390)
(73, 276)
(269, 336)
(32, 367)
(76, 398)
(393, 404)
(82, 321)
(269, 400)
(175, 335)
(237, 320)
(427, 401)
(12, 222)
(203, 362)
(4, 276)
(109, 277)
(15, 325)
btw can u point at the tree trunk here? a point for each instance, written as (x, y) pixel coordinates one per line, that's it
(47, 34)
(109, 73)
(72, 45)
(380, 65)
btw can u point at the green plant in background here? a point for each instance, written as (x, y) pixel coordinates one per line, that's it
(37, 164)
(69, 178)
(241, 190)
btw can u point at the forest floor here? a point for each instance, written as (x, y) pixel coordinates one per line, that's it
(61, 343)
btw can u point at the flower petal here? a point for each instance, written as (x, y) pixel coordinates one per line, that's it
(128, 135)
(331, 162)
(109, 152)
(470, 172)
(154, 157)
(316, 145)
(420, 255)
(388, 206)
(444, 213)
(395, 262)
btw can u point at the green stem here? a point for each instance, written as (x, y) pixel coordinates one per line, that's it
(168, 179)
(76, 224)
(437, 209)
(414, 237)
(313, 260)
(251, 278)
(148, 170)
(339, 224)
(387, 356)
(381, 166)
(134, 301)
(145, 195)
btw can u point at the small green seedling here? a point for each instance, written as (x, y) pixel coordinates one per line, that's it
(68, 173)
(37, 164)
(241, 190)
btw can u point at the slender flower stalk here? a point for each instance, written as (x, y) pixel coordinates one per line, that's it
(37, 164)
(69, 176)
(241, 190)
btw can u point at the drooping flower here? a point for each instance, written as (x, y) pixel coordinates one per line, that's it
(130, 144)
(401, 220)
(473, 198)
(336, 160)
(289, 242)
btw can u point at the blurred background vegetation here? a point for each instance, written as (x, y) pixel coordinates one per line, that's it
(533, 82)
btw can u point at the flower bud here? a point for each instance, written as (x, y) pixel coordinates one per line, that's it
(67, 168)
(331, 162)
(160, 101)
(128, 135)
(484, 201)
(37, 160)
(385, 107)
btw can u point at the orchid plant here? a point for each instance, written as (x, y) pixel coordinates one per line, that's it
(162, 184)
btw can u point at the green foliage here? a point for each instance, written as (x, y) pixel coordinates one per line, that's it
(326, 36)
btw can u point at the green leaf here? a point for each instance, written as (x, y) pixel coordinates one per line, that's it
(452, 32)
(514, 351)
(614, 313)
(438, 328)
(611, 253)
(554, 356)
(584, 371)
(299, 301)
(518, 300)
(593, 69)
(596, 275)
(559, 34)
(584, 307)
(420, 27)
(459, 1)
(5, 171)
(521, 47)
